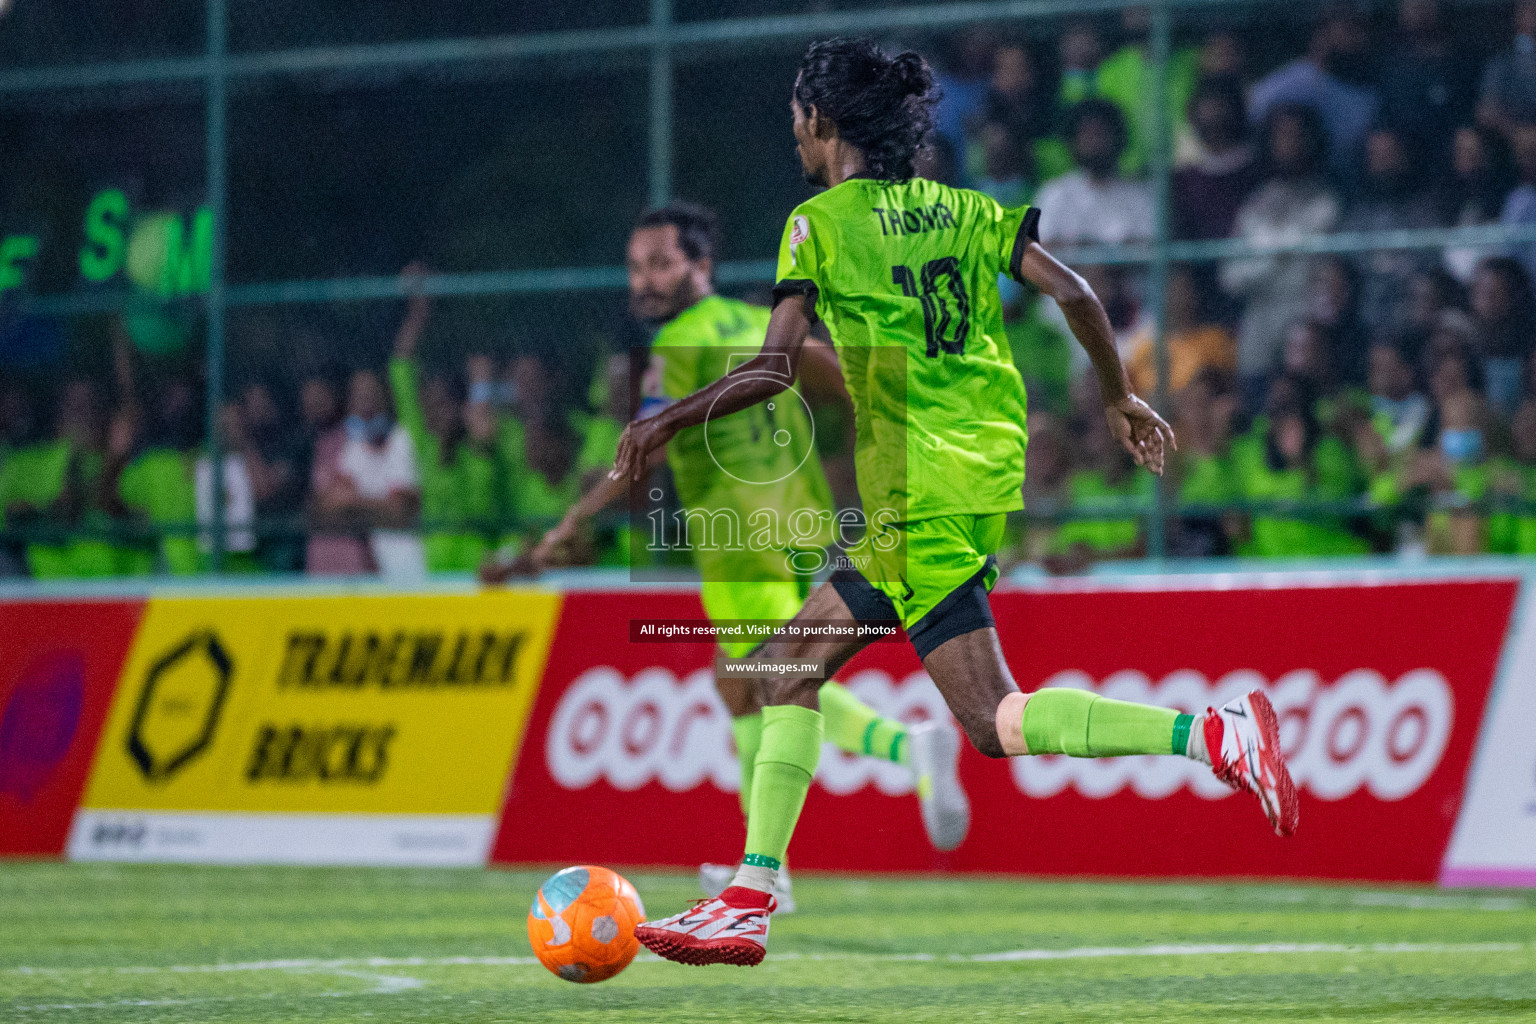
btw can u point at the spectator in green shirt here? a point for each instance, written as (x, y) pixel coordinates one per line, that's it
(456, 465)
(551, 480)
(1043, 354)
(1047, 464)
(1124, 78)
(1310, 355)
(610, 399)
(15, 426)
(149, 476)
(1308, 372)
(51, 487)
(1203, 471)
(1512, 488)
(1288, 458)
(1105, 486)
(1399, 411)
(1079, 51)
(543, 446)
(1387, 441)
(1455, 470)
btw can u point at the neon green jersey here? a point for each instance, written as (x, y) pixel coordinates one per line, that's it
(159, 486)
(37, 475)
(458, 495)
(913, 267)
(1274, 535)
(1510, 531)
(758, 462)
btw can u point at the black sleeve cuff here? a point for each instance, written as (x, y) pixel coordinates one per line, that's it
(797, 286)
(1029, 231)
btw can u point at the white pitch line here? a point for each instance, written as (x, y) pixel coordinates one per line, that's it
(1259, 949)
(122, 1003)
(385, 986)
(1413, 901)
(295, 965)
(1007, 956)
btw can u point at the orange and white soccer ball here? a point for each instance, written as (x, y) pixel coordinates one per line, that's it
(582, 923)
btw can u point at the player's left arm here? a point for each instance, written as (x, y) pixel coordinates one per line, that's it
(767, 374)
(1138, 428)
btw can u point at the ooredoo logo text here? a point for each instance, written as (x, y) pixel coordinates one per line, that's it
(656, 727)
(1338, 736)
(1360, 731)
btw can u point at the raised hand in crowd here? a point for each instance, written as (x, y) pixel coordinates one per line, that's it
(418, 310)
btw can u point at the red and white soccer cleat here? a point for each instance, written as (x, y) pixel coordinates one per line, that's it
(730, 929)
(1243, 739)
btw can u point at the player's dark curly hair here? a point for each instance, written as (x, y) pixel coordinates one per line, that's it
(881, 104)
(698, 229)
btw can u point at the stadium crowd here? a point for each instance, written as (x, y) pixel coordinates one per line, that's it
(1380, 401)
(344, 472)
(1392, 387)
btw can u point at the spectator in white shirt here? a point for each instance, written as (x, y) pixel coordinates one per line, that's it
(1094, 204)
(239, 494)
(1292, 204)
(376, 489)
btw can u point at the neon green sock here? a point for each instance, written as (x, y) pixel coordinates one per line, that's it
(856, 728)
(748, 730)
(786, 761)
(1081, 724)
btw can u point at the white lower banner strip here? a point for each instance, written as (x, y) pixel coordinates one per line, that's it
(417, 840)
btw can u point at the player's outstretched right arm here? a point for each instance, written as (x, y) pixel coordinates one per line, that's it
(769, 372)
(548, 552)
(551, 549)
(1139, 429)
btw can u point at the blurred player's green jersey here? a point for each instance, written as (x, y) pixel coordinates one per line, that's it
(759, 466)
(914, 266)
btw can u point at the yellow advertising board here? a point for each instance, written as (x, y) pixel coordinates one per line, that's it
(404, 705)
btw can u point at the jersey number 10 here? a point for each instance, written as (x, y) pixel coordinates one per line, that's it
(939, 286)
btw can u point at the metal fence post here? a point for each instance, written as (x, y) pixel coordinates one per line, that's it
(661, 102)
(1161, 131)
(217, 112)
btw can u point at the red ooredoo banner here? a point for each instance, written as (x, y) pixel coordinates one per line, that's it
(628, 758)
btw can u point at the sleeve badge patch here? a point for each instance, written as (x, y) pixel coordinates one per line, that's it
(799, 231)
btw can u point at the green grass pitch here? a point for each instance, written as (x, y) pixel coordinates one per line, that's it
(85, 943)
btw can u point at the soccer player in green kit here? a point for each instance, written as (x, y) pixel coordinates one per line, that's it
(760, 462)
(904, 273)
